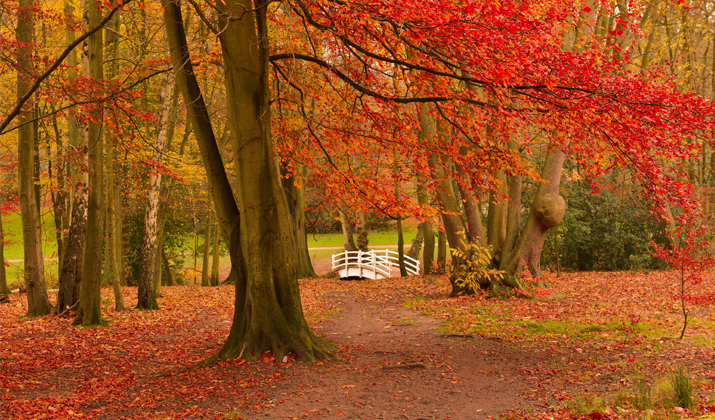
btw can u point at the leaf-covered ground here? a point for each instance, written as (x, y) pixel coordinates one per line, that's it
(597, 345)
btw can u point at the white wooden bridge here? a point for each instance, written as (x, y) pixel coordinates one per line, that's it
(372, 264)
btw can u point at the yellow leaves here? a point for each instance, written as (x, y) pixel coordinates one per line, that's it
(476, 266)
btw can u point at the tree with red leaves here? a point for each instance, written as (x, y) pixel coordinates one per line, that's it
(689, 257)
(489, 82)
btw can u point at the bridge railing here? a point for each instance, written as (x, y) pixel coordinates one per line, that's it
(383, 262)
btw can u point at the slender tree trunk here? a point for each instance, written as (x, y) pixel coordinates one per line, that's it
(167, 267)
(348, 241)
(361, 232)
(157, 263)
(496, 218)
(416, 246)
(426, 229)
(147, 290)
(400, 235)
(70, 275)
(4, 290)
(59, 196)
(205, 263)
(111, 267)
(442, 250)
(38, 303)
(90, 300)
(513, 218)
(215, 265)
(295, 197)
(70, 265)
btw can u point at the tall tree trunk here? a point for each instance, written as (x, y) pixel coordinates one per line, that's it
(496, 218)
(59, 195)
(426, 229)
(38, 303)
(70, 265)
(348, 241)
(158, 275)
(167, 268)
(400, 235)
(147, 291)
(416, 246)
(513, 218)
(361, 232)
(268, 313)
(442, 250)
(295, 196)
(205, 264)
(90, 300)
(111, 267)
(471, 210)
(4, 290)
(547, 211)
(215, 263)
(70, 273)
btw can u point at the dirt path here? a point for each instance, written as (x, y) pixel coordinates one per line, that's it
(396, 364)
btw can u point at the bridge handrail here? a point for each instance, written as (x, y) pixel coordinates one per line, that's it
(380, 261)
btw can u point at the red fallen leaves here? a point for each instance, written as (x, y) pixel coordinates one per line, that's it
(141, 365)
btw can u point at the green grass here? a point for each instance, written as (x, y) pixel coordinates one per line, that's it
(12, 229)
(320, 240)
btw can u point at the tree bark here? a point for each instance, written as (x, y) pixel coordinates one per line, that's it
(90, 300)
(361, 232)
(38, 303)
(147, 291)
(348, 241)
(70, 275)
(496, 218)
(416, 246)
(268, 313)
(205, 261)
(70, 271)
(59, 196)
(215, 262)
(167, 268)
(295, 197)
(442, 250)
(111, 268)
(426, 229)
(547, 211)
(4, 290)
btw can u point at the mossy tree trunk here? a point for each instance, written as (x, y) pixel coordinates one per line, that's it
(38, 303)
(504, 239)
(111, 266)
(215, 263)
(89, 312)
(416, 245)
(268, 313)
(348, 232)
(361, 232)
(4, 290)
(207, 253)
(295, 197)
(426, 229)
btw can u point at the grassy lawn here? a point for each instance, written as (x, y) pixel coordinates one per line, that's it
(12, 230)
(319, 240)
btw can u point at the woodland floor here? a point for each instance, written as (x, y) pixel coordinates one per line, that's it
(405, 351)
